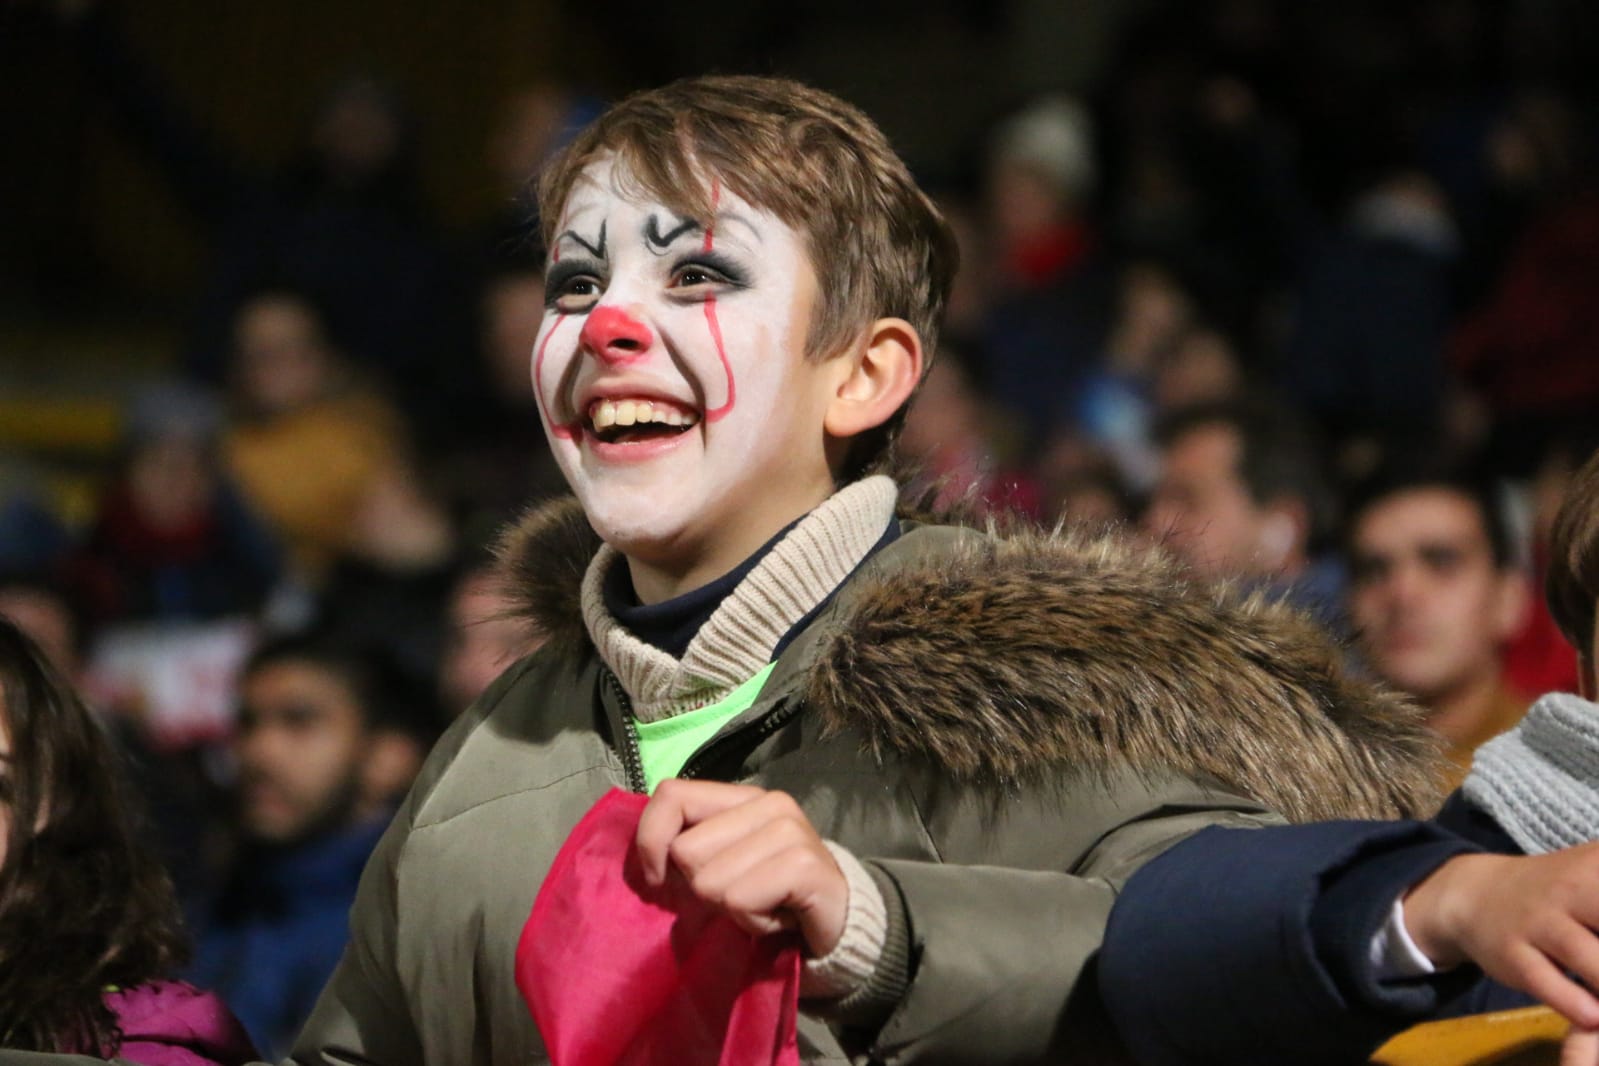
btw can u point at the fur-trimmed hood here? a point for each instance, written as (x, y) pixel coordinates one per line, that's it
(1002, 656)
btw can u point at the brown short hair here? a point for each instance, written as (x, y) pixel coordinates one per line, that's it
(876, 241)
(1572, 585)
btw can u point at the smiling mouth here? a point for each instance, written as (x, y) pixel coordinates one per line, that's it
(637, 421)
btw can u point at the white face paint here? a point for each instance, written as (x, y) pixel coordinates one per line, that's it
(672, 380)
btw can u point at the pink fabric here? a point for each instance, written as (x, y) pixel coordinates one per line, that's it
(619, 974)
(169, 1023)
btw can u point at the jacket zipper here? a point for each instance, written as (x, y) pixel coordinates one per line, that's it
(632, 760)
(762, 728)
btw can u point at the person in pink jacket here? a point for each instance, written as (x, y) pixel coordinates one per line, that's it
(88, 923)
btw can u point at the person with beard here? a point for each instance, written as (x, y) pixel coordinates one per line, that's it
(308, 743)
(1436, 595)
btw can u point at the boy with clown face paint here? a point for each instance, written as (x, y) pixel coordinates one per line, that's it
(935, 752)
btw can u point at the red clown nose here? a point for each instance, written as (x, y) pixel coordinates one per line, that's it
(615, 336)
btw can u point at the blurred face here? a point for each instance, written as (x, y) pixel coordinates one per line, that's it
(357, 135)
(170, 481)
(1022, 201)
(528, 130)
(672, 380)
(1430, 606)
(1154, 310)
(283, 361)
(1201, 368)
(483, 642)
(300, 745)
(1202, 509)
(49, 622)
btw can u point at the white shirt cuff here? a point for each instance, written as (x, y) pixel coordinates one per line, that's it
(1393, 955)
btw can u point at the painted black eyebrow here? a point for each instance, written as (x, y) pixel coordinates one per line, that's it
(599, 252)
(652, 231)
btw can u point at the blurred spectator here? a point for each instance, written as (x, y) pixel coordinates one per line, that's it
(318, 753)
(307, 441)
(1503, 161)
(1041, 176)
(1435, 593)
(950, 433)
(389, 588)
(172, 541)
(1366, 354)
(89, 930)
(498, 458)
(484, 638)
(345, 221)
(1241, 495)
(1160, 356)
(533, 123)
(1199, 165)
(1529, 354)
(1045, 322)
(1082, 487)
(170, 574)
(49, 617)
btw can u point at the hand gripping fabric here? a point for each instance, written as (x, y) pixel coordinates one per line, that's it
(620, 974)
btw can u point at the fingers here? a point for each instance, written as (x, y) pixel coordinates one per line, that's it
(1581, 1048)
(796, 887)
(755, 828)
(1575, 950)
(751, 853)
(778, 875)
(715, 855)
(1538, 976)
(676, 805)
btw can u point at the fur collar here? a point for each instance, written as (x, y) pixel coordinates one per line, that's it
(1013, 654)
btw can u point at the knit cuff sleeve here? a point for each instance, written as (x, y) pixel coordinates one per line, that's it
(1540, 781)
(854, 958)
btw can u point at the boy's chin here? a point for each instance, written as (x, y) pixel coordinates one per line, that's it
(637, 529)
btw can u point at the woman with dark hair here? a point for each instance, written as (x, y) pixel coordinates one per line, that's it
(88, 922)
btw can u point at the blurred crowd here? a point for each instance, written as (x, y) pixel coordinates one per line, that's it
(1309, 293)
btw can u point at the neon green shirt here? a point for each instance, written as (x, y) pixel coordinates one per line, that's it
(665, 746)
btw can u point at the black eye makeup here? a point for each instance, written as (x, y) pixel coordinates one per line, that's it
(572, 284)
(703, 269)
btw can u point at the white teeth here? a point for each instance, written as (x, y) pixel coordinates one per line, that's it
(626, 413)
(604, 415)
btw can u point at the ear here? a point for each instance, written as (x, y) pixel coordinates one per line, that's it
(875, 379)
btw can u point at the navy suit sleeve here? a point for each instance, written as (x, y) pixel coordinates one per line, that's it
(1464, 818)
(1246, 946)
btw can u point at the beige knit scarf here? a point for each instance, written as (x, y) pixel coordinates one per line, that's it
(737, 640)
